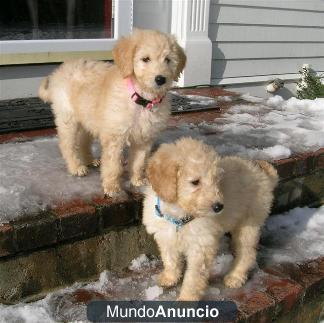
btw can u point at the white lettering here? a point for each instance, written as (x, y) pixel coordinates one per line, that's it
(141, 311)
(211, 312)
(151, 312)
(199, 310)
(110, 313)
(160, 311)
(191, 312)
(171, 312)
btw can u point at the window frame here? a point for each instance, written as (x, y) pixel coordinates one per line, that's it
(14, 52)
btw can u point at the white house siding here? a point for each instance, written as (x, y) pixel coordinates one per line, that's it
(255, 41)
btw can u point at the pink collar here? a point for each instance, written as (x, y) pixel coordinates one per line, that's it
(139, 99)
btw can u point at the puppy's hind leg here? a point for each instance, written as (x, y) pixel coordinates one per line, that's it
(245, 240)
(84, 147)
(67, 130)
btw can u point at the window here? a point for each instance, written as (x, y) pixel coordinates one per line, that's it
(55, 19)
(41, 31)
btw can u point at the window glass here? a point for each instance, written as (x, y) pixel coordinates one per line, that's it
(56, 19)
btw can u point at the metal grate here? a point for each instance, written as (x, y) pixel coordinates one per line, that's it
(32, 113)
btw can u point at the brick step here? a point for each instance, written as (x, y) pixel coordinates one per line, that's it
(281, 292)
(301, 184)
(284, 292)
(78, 239)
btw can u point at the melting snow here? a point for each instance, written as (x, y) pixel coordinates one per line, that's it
(33, 174)
(250, 98)
(153, 292)
(267, 129)
(294, 236)
(141, 262)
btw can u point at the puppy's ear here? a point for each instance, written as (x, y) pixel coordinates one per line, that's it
(181, 58)
(162, 173)
(123, 54)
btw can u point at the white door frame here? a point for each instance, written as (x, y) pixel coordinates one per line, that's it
(189, 23)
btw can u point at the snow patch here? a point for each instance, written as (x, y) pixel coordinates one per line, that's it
(33, 176)
(250, 98)
(294, 236)
(276, 152)
(225, 98)
(270, 129)
(142, 262)
(153, 292)
(27, 313)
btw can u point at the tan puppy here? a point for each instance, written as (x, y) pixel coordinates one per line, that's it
(194, 198)
(96, 99)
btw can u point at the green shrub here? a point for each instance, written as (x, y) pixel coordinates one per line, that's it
(309, 86)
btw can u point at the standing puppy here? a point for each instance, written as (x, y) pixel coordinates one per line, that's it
(120, 104)
(196, 197)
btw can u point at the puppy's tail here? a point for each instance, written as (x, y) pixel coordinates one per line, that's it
(269, 170)
(44, 90)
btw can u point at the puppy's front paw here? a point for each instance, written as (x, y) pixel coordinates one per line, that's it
(234, 281)
(137, 181)
(167, 279)
(95, 162)
(188, 297)
(120, 195)
(81, 170)
(114, 192)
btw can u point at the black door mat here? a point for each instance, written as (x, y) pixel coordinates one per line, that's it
(191, 103)
(25, 114)
(32, 113)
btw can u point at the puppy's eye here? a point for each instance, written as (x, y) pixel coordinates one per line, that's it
(167, 60)
(195, 182)
(146, 59)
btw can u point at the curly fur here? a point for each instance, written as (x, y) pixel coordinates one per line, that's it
(245, 188)
(90, 100)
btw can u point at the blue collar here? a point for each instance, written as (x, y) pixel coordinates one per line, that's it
(177, 222)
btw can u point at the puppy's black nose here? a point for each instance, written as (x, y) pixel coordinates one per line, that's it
(160, 80)
(217, 207)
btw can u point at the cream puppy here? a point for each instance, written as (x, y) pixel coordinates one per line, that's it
(121, 104)
(196, 197)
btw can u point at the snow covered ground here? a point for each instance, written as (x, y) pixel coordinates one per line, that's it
(295, 236)
(33, 174)
(263, 129)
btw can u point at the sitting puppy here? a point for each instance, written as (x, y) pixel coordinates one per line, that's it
(120, 104)
(196, 197)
